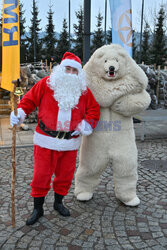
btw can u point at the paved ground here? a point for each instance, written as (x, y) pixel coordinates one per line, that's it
(103, 222)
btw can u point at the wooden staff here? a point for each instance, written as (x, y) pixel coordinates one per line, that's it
(50, 67)
(15, 100)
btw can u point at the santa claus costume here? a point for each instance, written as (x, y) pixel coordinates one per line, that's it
(66, 110)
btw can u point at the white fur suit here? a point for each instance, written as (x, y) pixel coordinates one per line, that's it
(118, 85)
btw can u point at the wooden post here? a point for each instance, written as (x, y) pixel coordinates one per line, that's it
(42, 64)
(154, 66)
(50, 67)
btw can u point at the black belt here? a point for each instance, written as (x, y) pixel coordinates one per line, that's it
(56, 134)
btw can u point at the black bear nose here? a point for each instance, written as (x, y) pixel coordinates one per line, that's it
(111, 68)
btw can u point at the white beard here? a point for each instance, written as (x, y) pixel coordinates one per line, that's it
(67, 87)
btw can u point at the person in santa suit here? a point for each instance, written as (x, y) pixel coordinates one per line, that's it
(66, 110)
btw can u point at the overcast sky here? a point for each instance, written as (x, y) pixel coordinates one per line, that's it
(60, 8)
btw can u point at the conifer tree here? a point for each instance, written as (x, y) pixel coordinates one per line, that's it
(22, 24)
(34, 34)
(23, 39)
(134, 47)
(145, 45)
(158, 49)
(78, 31)
(63, 42)
(109, 36)
(98, 37)
(49, 39)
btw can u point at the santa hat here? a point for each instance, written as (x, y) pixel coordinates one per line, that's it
(69, 59)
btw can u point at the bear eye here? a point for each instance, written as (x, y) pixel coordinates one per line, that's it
(105, 61)
(116, 59)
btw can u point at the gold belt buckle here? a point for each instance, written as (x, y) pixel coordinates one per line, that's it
(57, 134)
(64, 135)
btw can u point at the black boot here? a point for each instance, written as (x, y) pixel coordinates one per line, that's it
(37, 212)
(58, 205)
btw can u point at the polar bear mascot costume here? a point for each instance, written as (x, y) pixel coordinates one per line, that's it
(119, 86)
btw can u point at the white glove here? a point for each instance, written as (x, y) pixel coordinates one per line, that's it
(83, 128)
(19, 119)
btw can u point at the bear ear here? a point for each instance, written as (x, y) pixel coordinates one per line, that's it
(99, 53)
(123, 53)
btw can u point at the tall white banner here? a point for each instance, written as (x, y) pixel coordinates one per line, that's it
(121, 18)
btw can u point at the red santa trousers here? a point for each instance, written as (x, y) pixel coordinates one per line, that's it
(48, 162)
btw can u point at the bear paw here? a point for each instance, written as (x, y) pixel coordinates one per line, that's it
(134, 202)
(86, 196)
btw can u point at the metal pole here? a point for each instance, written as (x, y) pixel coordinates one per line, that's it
(34, 30)
(86, 35)
(141, 30)
(69, 23)
(105, 23)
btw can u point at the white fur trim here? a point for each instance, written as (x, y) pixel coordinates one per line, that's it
(56, 144)
(71, 63)
(64, 118)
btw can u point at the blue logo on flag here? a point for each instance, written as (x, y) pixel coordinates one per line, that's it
(121, 17)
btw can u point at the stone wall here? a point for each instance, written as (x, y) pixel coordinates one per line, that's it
(157, 87)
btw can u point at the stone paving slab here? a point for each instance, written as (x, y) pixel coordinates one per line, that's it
(102, 223)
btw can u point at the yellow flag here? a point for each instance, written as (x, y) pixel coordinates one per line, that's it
(10, 44)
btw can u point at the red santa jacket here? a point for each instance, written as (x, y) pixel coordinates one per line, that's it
(41, 96)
